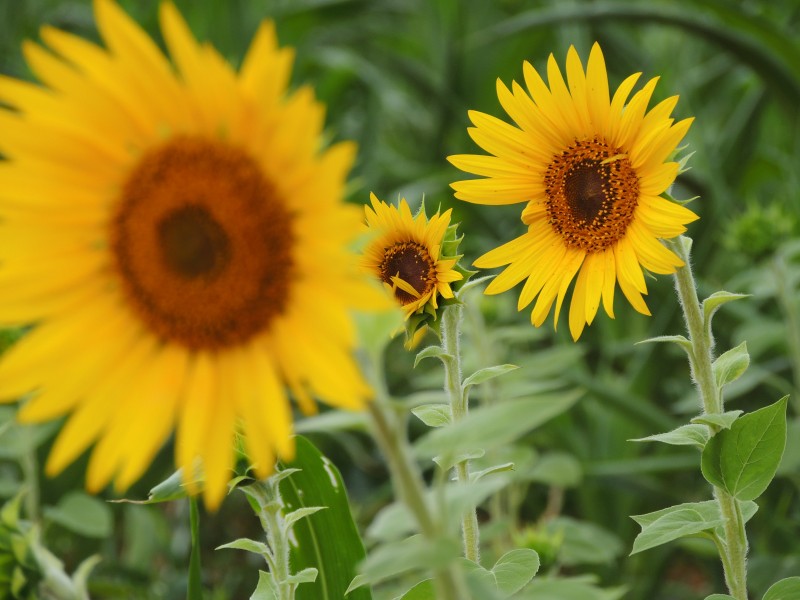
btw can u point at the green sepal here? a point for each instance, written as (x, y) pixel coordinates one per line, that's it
(427, 315)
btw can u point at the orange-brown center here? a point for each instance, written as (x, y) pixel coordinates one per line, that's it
(413, 264)
(592, 192)
(203, 244)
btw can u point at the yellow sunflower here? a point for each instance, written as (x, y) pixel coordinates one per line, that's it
(592, 170)
(178, 239)
(406, 255)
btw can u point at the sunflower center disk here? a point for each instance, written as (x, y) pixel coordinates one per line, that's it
(412, 263)
(592, 192)
(203, 244)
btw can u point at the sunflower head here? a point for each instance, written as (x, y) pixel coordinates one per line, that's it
(161, 223)
(415, 258)
(592, 169)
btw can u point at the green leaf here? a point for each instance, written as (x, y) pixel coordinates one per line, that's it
(82, 514)
(557, 468)
(749, 509)
(720, 597)
(376, 329)
(266, 588)
(318, 483)
(332, 421)
(583, 543)
(247, 545)
(714, 301)
(495, 425)
(414, 553)
(785, 589)
(478, 475)
(308, 575)
(675, 522)
(291, 518)
(686, 435)
(433, 415)
(486, 374)
(510, 573)
(743, 459)
(730, 365)
(449, 460)
(718, 420)
(424, 590)
(171, 488)
(431, 352)
(80, 578)
(515, 569)
(675, 339)
(567, 589)
(17, 440)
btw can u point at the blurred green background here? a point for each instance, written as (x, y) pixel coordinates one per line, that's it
(398, 77)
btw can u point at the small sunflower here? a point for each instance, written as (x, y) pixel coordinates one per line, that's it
(592, 170)
(178, 239)
(406, 254)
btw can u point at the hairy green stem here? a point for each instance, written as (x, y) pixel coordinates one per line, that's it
(451, 319)
(270, 514)
(701, 360)
(408, 483)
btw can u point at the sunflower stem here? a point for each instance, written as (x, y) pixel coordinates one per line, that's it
(270, 513)
(451, 320)
(701, 360)
(407, 482)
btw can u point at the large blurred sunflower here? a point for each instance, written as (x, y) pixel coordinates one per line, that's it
(179, 241)
(591, 169)
(406, 255)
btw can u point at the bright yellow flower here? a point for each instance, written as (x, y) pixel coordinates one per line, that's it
(178, 238)
(591, 170)
(405, 255)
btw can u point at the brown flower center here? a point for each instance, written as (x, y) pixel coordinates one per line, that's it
(203, 244)
(592, 192)
(411, 262)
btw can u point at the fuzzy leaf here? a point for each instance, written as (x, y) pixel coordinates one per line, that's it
(294, 516)
(449, 460)
(495, 425)
(424, 590)
(431, 352)
(715, 300)
(411, 554)
(720, 420)
(433, 415)
(743, 459)
(676, 522)
(266, 588)
(676, 339)
(247, 545)
(785, 589)
(82, 514)
(557, 468)
(486, 374)
(509, 466)
(694, 434)
(308, 575)
(729, 366)
(510, 573)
